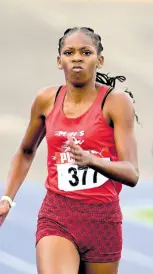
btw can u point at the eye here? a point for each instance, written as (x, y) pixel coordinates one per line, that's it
(87, 52)
(68, 53)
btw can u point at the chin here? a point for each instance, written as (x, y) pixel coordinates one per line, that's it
(79, 84)
(78, 80)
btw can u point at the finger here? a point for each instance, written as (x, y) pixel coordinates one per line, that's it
(76, 152)
(72, 156)
(73, 151)
(78, 162)
(71, 144)
(77, 148)
(78, 158)
(69, 140)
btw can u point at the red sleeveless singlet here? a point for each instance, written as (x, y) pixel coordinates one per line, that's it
(93, 134)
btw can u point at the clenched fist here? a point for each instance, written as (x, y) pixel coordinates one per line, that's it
(4, 210)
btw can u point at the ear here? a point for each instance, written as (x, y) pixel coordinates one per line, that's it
(59, 63)
(100, 62)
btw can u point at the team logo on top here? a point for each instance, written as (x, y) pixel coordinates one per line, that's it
(76, 137)
(68, 133)
(75, 140)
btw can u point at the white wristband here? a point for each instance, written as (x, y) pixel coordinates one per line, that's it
(7, 198)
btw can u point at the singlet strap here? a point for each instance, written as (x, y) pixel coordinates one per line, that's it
(105, 96)
(57, 93)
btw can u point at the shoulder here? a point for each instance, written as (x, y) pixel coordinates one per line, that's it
(45, 97)
(120, 99)
(45, 94)
(120, 106)
(119, 95)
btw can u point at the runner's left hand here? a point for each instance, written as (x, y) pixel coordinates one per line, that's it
(80, 157)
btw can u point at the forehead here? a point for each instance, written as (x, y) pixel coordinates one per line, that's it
(77, 40)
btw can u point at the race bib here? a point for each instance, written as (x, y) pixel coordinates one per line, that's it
(72, 177)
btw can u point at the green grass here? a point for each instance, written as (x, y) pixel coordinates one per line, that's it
(145, 215)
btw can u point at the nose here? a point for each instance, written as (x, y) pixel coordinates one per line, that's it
(77, 57)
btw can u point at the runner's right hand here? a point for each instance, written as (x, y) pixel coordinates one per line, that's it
(4, 210)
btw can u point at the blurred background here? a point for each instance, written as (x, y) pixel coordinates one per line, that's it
(30, 30)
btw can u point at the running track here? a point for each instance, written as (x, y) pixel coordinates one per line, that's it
(17, 251)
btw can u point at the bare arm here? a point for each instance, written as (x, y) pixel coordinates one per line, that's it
(25, 154)
(121, 112)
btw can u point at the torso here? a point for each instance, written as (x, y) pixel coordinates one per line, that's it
(96, 136)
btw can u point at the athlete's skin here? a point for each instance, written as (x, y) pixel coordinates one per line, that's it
(56, 254)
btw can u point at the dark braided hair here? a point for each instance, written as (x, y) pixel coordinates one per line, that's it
(100, 77)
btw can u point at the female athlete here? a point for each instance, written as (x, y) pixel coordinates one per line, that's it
(92, 152)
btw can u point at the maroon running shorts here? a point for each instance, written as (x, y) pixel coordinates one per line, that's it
(95, 229)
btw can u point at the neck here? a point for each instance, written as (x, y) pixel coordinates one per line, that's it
(78, 94)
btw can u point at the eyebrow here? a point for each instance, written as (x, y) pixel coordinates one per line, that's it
(85, 47)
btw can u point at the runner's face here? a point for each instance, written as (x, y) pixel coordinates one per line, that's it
(79, 59)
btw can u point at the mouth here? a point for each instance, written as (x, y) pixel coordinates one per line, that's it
(77, 68)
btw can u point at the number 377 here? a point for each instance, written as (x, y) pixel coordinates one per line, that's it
(75, 176)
